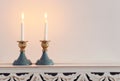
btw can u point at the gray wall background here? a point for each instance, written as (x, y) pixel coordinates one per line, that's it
(81, 31)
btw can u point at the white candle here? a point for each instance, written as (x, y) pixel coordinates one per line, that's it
(22, 27)
(46, 28)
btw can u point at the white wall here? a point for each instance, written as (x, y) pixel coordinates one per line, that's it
(81, 31)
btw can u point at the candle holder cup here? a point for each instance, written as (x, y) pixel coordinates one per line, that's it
(22, 60)
(44, 60)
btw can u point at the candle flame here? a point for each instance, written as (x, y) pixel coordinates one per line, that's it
(22, 16)
(45, 15)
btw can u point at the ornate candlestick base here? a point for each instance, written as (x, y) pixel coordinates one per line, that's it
(22, 60)
(44, 60)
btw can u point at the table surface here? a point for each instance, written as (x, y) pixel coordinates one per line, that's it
(8, 65)
(62, 67)
(91, 70)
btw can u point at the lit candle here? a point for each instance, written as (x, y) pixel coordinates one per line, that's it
(46, 27)
(22, 26)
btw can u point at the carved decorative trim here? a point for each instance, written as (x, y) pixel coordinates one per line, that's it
(70, 76)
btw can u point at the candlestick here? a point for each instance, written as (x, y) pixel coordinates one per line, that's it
(46, 28)
(22, 27)
(22, 60)
(44, 60)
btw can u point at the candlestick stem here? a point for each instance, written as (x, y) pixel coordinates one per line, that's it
(44, 60)
(22, 59)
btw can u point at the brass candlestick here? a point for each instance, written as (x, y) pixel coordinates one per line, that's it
(44, 60)
(22, 60)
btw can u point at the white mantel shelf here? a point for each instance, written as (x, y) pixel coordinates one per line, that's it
(61, 72)
(64, 67)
